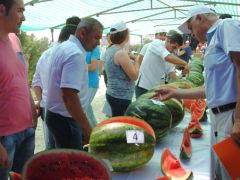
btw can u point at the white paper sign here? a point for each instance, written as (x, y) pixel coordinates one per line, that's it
(135, 136)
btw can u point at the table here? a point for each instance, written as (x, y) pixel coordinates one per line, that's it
(200, 162)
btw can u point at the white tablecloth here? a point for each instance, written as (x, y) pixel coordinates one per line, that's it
(200, 162)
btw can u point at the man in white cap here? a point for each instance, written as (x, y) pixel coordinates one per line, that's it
(159, 61)
(159, 34)
(222, 71)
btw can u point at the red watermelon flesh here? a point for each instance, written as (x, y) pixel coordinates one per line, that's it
(65, 164)
(185, 149)
(130, 120)
(171, 167)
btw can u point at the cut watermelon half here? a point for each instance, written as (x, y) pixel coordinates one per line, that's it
(64, 164)
(186, 149)
(130, 120)
(171, 167)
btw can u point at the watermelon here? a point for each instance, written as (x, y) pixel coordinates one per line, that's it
(163, 178)
(196, 78)
(64, 164)
(185, 149)
(194, 127)
(109, 140)
(154, 112)
(14, 176)
(177, 110)
(172, 168)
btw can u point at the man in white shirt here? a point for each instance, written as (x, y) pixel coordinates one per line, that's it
(156, 62)
(68, 86)
(159, 34)
(41, 76)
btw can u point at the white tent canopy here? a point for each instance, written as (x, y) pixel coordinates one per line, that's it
(141, 16)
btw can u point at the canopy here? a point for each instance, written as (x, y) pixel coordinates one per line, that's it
(141, 16)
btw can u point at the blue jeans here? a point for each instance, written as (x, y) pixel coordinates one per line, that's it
(20, 147)
(118, 106)
(66, 131)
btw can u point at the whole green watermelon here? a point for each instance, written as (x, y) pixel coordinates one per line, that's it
(109, 141)
(154, 112)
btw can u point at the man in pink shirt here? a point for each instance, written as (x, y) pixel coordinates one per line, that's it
(17, 112)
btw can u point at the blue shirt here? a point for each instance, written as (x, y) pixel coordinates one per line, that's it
(220, 72)
(93, 76)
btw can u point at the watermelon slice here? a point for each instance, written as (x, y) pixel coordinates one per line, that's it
(194, 127)
(64, 164)
(185, 149)
(171, 167)
(163, 178)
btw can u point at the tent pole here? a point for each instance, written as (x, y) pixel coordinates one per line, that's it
(52, 31)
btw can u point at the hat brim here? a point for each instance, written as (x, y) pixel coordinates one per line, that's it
(184, 27)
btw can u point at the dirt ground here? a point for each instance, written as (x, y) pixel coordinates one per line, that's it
(97, 105)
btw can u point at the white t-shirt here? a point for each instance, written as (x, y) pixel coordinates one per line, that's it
(68, 69)
(144, 49)
(154, 66)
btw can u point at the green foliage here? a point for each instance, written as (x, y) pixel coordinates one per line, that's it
(32, 49)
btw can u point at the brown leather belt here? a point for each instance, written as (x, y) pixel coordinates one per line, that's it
(224, 108)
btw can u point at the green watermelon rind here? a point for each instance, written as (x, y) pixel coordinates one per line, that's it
(109, 142)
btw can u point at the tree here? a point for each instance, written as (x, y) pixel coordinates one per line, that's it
(32, 49)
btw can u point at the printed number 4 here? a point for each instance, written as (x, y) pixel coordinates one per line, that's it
(135, 137)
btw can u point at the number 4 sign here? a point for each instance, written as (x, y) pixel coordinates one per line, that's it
(135, 136)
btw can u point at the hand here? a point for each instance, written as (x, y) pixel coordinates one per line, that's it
(235, 134)
(3, 157)
(185, 70)
(164, 94)
(37, 106)
(86, 134)
(35, 115)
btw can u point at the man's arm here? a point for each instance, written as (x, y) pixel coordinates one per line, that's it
(193, 93)
(139, 58)
(235, 56)
(34, 110)
(73, 105)
(175, 60)
(93, 65)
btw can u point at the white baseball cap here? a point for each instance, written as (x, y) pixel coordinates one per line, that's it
(118, 27)
(193, 11)
(160, 30)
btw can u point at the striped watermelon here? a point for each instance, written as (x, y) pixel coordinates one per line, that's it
(154, 112)
(177, 110)
(108, 141)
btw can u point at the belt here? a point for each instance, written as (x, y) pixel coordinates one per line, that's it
(223, 108)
